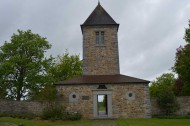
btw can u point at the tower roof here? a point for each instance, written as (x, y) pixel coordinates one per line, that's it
(99, 17)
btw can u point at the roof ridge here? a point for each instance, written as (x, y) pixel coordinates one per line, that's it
(103, 79)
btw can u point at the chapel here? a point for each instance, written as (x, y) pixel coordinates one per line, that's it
(102, 92)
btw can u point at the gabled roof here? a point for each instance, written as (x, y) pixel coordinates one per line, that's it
(102, 79)
(99, 17)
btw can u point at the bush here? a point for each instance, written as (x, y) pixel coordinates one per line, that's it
(53, 112)
(172, 117)
(167, 102)
(73, 116)
(188, 113)
(18, 115)
(59, 114)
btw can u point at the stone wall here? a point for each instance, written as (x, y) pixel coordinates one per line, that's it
(73, 105)
(35, 107)
(137, 106)
(100, 59)
(122, 106)
(184, 102)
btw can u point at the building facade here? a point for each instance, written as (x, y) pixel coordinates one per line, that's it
(102, 92)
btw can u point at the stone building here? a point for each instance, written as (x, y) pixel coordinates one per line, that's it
(102, 92)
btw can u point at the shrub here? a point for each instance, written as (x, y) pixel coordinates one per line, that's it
(167, 102)
(18, 115)
(53, 112)
(73, 116)
(172, 117)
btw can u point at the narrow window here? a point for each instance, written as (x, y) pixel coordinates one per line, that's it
(97, 38)
(100, 38)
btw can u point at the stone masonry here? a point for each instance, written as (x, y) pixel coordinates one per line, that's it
(37, 107)
(122, 107)
(100, 60)
(184, 103)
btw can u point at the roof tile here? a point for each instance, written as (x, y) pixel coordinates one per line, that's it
(99, 17)
(102, 79)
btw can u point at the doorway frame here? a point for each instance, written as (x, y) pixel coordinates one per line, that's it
(109, 103)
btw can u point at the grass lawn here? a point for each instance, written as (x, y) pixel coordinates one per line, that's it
(154, 122)
(121, 122)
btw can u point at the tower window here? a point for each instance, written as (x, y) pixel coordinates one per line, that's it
(100, 38)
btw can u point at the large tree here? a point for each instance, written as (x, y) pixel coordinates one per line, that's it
(65, 67)
(162, 83)
(62, 68)
(182, 63)
(23, 66)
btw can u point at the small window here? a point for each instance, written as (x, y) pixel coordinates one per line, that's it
(130, 94)
(74, 96)
(100, 38)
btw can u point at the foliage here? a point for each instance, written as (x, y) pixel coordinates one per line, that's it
(72, 116)
(53, 112)
(167, 102)
(3, 92)
(105, 100)
(65, 67)
(173, 117)
(162, 90)
(23, 66)
(164, 82)
(18, 115)
(56, 111)
(182, 63)
(48, 93)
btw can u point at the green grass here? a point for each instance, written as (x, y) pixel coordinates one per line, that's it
(119, 122)
(101, 109)
(39, 123)
(154, 122)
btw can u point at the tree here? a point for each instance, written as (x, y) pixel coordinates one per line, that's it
(48, 93)
(164, 82)
(23, 66)
(162, 90)
(182, 63)
(62, 68)
(3, 92)
(65, 67)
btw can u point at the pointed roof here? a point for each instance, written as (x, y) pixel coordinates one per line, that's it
(99, 17)
(102, 79)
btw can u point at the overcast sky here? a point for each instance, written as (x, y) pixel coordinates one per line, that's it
(149, 32)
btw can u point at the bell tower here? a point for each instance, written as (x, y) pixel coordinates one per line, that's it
(100, 44)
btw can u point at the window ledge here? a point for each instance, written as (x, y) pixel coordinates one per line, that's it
(100, 46)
